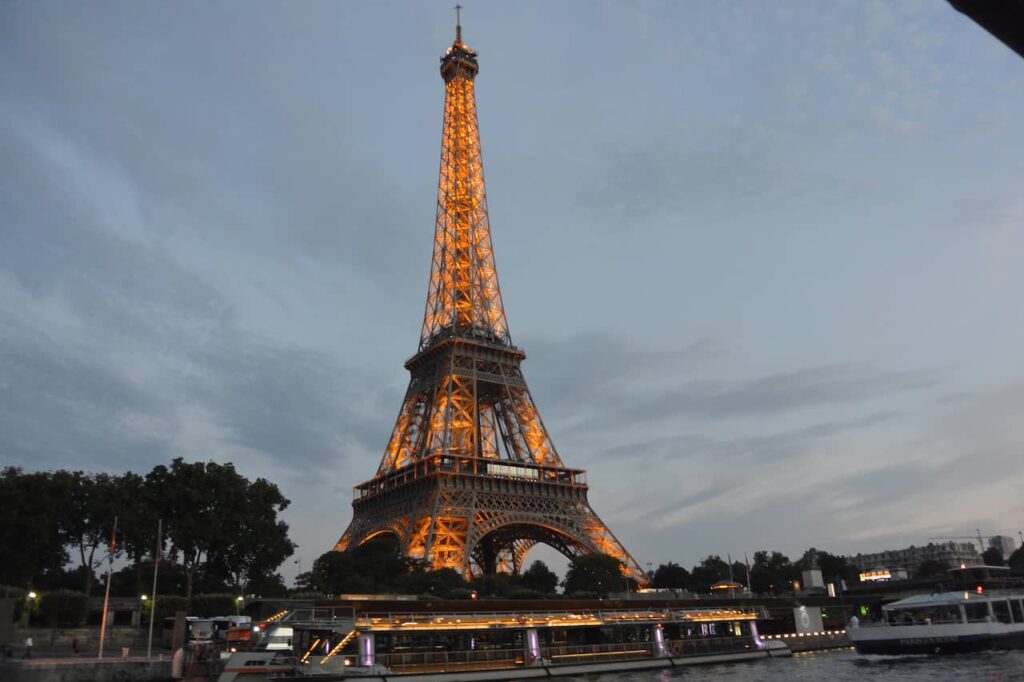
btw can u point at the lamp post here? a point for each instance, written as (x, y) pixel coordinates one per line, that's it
(26, 611)
(238, 604)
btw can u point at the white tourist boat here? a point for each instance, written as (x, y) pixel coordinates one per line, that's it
(945, 623)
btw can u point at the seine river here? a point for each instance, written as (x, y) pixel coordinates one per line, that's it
(844, 666)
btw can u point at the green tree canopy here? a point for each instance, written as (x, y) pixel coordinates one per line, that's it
(540, 578)
(215, 518)
(671, 576)
(372, 567)
(772, 573)
(710, 570)
(31, 528)
(598, 573)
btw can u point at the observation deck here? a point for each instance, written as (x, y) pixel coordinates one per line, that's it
(500, 475)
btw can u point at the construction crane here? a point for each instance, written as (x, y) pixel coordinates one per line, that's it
(979, 537)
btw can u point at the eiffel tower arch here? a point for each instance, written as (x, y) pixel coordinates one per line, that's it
(470, 478)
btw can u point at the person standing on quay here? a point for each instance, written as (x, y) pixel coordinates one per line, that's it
(28, 647)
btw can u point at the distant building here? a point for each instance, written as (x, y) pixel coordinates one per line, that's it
(1006, 545)
(951, 554)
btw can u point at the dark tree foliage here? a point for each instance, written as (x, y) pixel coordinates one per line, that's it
(495, 586)
(216, 518)
(930, 568)
(832, 566)
(94, 501)
(1016, 561)
(221, 531)
(597, 573)
(31, 530)
(373, 567)
(711, 570)
(671, 576)
(540, 578)
(772, 573)
(170, 579)
(993, 556)
(63, 609)
(443, 583)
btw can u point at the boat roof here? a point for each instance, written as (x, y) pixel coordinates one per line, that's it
(942, 598)
(405, 622)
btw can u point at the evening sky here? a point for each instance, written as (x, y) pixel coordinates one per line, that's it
(764, 258)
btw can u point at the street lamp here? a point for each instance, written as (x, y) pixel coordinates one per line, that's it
(238, 604)
(30, 600)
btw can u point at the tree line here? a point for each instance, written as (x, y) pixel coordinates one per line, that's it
(774, 573)
(378, 567)
(221, 531)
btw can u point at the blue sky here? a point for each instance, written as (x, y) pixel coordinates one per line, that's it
(764, 258)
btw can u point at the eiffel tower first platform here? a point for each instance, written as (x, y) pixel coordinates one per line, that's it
(470, 479)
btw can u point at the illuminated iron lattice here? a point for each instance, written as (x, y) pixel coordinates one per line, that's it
(470, 479)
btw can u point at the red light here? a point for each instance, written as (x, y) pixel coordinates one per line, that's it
(979, 589)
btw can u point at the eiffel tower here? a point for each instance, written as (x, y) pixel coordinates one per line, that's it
(470, 479)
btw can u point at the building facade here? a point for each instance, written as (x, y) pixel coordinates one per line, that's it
(951, 554)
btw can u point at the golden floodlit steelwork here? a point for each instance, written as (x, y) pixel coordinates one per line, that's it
(470, 478)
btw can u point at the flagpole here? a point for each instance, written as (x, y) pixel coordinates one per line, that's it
(106, 596)
(152, 603)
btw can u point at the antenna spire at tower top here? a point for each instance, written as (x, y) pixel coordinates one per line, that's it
(458, 24)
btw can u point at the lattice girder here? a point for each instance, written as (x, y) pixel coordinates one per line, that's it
(470, 477)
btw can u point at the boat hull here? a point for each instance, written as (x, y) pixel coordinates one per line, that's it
(941, 644)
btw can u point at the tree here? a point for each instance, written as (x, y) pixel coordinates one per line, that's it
(710, 570)
(31, 541)
(191, 498)
(372, 567)
(599, 573)
(259, 541)
(94, 502)
(772, 573)
(930, 568)
(671, 576)
(540, 578)
(499, 585)
(832, 566)
(1016, 560)
(442, 583)
(993, 556)
(220, 523)
(137, 524)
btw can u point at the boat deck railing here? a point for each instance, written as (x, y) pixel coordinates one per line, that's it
(318, 614)
(391, 621)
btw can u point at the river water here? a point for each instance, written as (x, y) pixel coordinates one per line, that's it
(843, 666)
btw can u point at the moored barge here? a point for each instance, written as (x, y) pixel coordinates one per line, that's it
(339, 644)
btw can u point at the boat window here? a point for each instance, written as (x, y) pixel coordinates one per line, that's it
(1002, 611)
(976, 611)
(1018, 612)
(926, 615)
